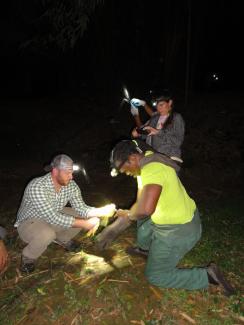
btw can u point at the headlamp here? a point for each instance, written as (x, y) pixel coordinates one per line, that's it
(116, 169)
(76, 168)
(126, 95)
(114, 172)
(117, 164)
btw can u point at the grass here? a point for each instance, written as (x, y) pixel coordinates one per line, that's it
(65, 294)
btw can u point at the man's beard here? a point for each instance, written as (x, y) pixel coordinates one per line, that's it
(64, 183)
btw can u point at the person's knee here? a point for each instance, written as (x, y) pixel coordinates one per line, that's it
(158, 280)
(46, 235)
(152, 278)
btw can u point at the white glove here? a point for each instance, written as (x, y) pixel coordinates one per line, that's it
(137, 102)
(107, 210)
(134, 110)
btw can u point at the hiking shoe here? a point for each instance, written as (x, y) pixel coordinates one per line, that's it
(137, 251)
(27, 265)
(70, 246)
(215, 276)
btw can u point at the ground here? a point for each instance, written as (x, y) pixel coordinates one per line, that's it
(109, 287)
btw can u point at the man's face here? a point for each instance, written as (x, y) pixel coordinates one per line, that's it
(130, 167)
(64, 176)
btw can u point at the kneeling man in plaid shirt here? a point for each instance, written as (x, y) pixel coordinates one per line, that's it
(43, 217)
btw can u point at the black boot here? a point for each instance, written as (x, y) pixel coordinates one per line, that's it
(27, 265)
(216, 277)
(137, 251)
(70, 246)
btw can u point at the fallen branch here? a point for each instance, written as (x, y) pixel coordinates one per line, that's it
(188, 318)
(86, 280)
(77, 320)
(49, 308)
(21, 319)
(103, 280)
(122, 281)
(157, 294)
(33, 274)
(70, 277)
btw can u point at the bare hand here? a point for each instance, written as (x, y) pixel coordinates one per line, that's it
(122, 213)
(134, 133)
(3, 256)
(151, 130)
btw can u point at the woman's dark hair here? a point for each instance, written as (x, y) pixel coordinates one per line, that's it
(166, 96)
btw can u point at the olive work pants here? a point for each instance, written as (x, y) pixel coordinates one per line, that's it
(39, 234)
(167, 245)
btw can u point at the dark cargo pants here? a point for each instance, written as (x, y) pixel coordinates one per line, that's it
(167, 245)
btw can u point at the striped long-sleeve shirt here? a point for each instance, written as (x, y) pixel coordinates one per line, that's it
(41, 201)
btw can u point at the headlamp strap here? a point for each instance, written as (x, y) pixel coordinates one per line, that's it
(138, 149)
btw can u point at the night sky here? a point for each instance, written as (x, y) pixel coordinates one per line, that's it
(141, 43)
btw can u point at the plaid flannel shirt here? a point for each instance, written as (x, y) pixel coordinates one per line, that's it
(41, 201)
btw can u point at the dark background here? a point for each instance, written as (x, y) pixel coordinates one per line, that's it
(143, 44)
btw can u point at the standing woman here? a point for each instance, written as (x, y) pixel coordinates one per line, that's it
(165, 129)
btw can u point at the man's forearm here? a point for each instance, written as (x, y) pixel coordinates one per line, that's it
(85, 224)
(146, 202)
(78, 223)
(134, 217)
(134, 214)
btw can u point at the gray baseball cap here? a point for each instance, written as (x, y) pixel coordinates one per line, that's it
(60, 162)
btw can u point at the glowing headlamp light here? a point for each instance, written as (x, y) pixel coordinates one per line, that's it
(76, 168)
(114, 172)
(126, 95)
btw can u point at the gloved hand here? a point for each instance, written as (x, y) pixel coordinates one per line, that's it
(134, 110)
(135, 102)
(107, 210)
(92, 231)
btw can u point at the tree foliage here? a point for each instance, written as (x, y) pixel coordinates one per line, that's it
(58, 23)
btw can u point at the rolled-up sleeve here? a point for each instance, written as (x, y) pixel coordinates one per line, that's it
(78, 203)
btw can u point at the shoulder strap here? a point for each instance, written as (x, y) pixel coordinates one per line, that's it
(161, 158)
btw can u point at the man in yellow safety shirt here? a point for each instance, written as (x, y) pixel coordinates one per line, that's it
(168, 222)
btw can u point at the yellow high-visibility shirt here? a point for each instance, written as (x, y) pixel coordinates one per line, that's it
(174, 205)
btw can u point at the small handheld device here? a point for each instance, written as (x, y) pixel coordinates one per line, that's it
(142, 131)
